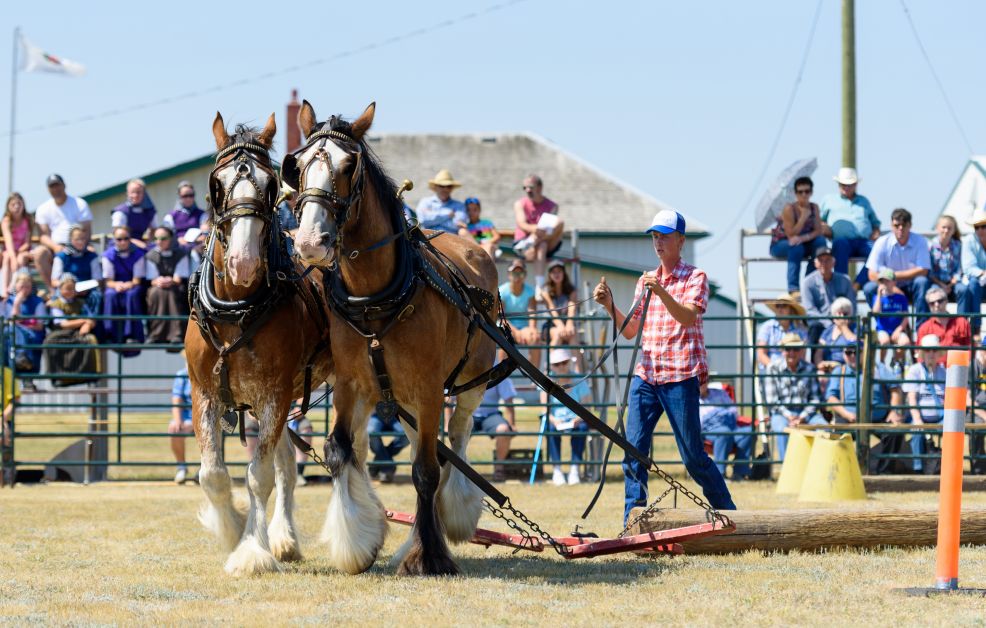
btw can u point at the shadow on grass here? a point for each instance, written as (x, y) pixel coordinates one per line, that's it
(529, 569)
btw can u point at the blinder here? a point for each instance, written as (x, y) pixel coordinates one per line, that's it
(337, 206)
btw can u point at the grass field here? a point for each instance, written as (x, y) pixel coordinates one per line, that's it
(123, 553)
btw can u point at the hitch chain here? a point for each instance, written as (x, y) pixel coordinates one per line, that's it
(561, 549)
(711, 514)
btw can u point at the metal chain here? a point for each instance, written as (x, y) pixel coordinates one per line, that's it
(646, 513)
(711, 513)
(318, 460)
(562, 550)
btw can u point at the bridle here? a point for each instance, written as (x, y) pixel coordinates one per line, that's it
(245, 157)
(337, 206)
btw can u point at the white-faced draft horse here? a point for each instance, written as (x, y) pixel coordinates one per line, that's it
(260, 341)
(404, 342)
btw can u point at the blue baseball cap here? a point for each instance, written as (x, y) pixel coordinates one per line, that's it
(667, 221)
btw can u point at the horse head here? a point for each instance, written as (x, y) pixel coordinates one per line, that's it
(328, 171)
(243, 189)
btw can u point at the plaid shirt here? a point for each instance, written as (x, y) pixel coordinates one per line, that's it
(670, 352)
(790, 392)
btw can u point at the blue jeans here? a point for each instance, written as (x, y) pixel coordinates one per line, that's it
(844, 248)
(722, 445)
(914, 289)
(646, 404)
(385, 453)
(578, 444)
(917, 442)
(23, 336)
(968, 297)
(795, 255)
(778, 423)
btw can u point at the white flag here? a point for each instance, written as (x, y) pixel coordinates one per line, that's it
(34, 59)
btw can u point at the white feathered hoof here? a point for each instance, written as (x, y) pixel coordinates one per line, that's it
(283, 540)
(460, 504)
(226, 524)
(250, 559)
(355, 524)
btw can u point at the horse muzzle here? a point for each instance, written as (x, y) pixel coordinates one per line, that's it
(316, 251)
(243, 270)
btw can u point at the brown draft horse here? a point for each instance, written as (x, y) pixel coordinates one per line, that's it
(234, 292)
(350, 221)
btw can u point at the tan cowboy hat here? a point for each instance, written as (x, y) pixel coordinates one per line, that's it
(978, 217)
(443, 178)
(786, 299)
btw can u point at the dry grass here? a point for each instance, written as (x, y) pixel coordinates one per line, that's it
(123, 553)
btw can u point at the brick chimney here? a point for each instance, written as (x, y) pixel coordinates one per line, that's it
(294, 133)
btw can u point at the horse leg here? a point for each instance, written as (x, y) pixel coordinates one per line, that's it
(460, 502)
(428, 554)
(218, 514)
(282, 533)
(253, 555)
(355, 523)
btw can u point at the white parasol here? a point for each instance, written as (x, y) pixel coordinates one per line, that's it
(781, 192)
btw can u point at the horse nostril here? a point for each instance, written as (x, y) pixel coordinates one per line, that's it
(325, 239)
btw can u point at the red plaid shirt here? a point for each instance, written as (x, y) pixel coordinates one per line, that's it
(670, 352)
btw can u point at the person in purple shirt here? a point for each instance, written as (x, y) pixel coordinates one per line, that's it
(124, 269)
(185, 215)
(137, 213)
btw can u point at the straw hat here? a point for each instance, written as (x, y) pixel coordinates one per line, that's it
(846, 176)
(792, 340)
(978, 217)
(443, 178)
(786, 299)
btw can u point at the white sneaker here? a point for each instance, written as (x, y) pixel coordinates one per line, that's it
(558, 477)
(574, 477)
(301, 481)
(181, 475)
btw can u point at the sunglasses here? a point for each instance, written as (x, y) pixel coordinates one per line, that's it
(518, 271)
(800, 192)
(192, 195)
(121, 239)
(849, 351)
(162, 238)
(528, 188)
(791, 349)
(980, 227)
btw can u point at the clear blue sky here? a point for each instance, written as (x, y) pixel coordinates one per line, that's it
(680, 99)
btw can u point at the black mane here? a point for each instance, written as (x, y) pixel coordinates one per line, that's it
(385, 187)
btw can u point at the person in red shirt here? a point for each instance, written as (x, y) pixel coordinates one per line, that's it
(672, 364)
(952, 331)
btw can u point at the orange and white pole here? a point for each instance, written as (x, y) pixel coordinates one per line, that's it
(952, 456)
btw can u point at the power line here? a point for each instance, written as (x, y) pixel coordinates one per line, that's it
(780, 131)
(934, 74)
(412, 34)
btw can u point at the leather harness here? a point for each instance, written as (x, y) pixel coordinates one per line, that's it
(283, 281)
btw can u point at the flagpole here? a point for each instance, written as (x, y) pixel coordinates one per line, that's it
(13, 110)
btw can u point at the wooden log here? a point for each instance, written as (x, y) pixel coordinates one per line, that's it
(785, 530)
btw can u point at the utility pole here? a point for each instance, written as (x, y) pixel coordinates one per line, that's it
(13, 111)
(848, 83)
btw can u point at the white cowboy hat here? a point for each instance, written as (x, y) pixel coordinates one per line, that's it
(557, 356)
(978, 217)
(786, 299)
(846, 176)
(443, 178)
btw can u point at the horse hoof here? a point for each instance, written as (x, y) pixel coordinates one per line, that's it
(285, 549)
(249, 559)
(417, 564)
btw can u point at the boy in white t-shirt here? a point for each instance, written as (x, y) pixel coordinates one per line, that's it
(55, 219)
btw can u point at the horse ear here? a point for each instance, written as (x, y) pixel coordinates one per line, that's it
(362, 124)
(306, 118)
(219, 132)
(289, 171)
(266, 137)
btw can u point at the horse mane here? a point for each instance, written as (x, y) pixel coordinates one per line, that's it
(246, 134)
(380, 181)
